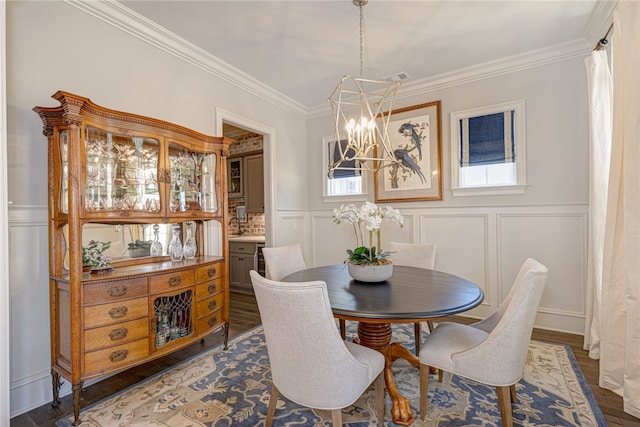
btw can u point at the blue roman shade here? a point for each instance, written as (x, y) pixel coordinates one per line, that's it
(487, 140)
(335, 157)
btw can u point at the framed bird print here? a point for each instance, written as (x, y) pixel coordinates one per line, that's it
(416, 138)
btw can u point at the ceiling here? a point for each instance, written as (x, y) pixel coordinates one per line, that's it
(302, 48)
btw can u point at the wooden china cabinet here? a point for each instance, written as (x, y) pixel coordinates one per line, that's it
(119, 171)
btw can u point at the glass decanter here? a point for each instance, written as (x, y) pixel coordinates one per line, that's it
(175, 246)
(190, 247)
(156, 245)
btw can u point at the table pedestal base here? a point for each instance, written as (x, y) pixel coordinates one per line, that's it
(378, 337)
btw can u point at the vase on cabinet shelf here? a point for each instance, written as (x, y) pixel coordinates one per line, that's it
(156, 245)
(175, 246)
(189, 250)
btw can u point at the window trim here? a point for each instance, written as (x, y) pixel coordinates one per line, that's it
(326, 145)
(520, 147)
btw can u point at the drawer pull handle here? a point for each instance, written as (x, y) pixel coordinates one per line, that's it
(211, 288)
(117, 312)
(118, 334)
(213, 320)
(175, 281)
(118, 291)
(211, 272)
(118, 356)
(213, 304)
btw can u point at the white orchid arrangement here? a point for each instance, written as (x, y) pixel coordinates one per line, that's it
(368, 217)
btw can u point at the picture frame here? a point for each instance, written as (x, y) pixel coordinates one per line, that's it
(421, 178)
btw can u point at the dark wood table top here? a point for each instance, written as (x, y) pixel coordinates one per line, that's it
(410, 294)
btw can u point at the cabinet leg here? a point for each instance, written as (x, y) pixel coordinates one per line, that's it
(76, 389)
(226, 335)
(56, 382)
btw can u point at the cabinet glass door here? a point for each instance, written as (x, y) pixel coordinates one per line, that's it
(172, 317)
(192, 186)
(121, 172)
(234, 178)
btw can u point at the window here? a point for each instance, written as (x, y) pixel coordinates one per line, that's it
(488, 150)
(346, 185)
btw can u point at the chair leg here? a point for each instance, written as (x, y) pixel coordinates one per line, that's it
(336, 417)
(273, 400)
(514, 398)
(380, 409)
(504, 400)
(417, 335)
(431, 326)
(343, 328)
(424, 385)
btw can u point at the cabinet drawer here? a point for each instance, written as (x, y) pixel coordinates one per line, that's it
(121, 311)
(205, 290)
(209, 322)
(171, 281)
(209, 272)
(115, 357)
(209, 305)
(114, 291)
(242, 247)
(120, 333)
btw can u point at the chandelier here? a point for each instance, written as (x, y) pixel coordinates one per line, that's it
(361, 111)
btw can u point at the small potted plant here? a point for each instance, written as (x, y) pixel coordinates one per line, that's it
(94, 257)
(368, 263)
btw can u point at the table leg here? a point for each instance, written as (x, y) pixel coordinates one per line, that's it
(378, 337)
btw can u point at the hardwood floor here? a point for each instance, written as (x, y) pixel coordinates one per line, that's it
(244, 315)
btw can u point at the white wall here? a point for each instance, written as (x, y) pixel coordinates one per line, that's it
(487, 238)
(54, 46)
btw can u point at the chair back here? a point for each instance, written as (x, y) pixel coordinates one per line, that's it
(310, 364)
(413, 254)
(283, 260)
(501, 357)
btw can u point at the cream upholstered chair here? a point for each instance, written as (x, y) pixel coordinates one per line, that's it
(414, 255)
(310, 363)
(493, 351)
(283, 260)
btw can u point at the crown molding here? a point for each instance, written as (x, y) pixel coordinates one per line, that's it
(511, 64)
(125, 19)
(599, 20)
(114, 13)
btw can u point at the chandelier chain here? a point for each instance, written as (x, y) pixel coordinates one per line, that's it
(361, 39)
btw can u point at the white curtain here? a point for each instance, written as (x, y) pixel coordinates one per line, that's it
(614, 325)
(600, 85)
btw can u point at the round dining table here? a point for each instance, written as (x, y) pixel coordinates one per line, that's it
(410, 295)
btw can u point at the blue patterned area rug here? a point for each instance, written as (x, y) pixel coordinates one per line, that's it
(231, 388)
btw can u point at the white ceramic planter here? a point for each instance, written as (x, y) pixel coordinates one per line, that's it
(370, 273)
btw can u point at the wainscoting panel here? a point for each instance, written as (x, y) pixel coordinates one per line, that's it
(329, 241)
(461, 246)
(557, 240)
(30, 361)
(291, 227)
